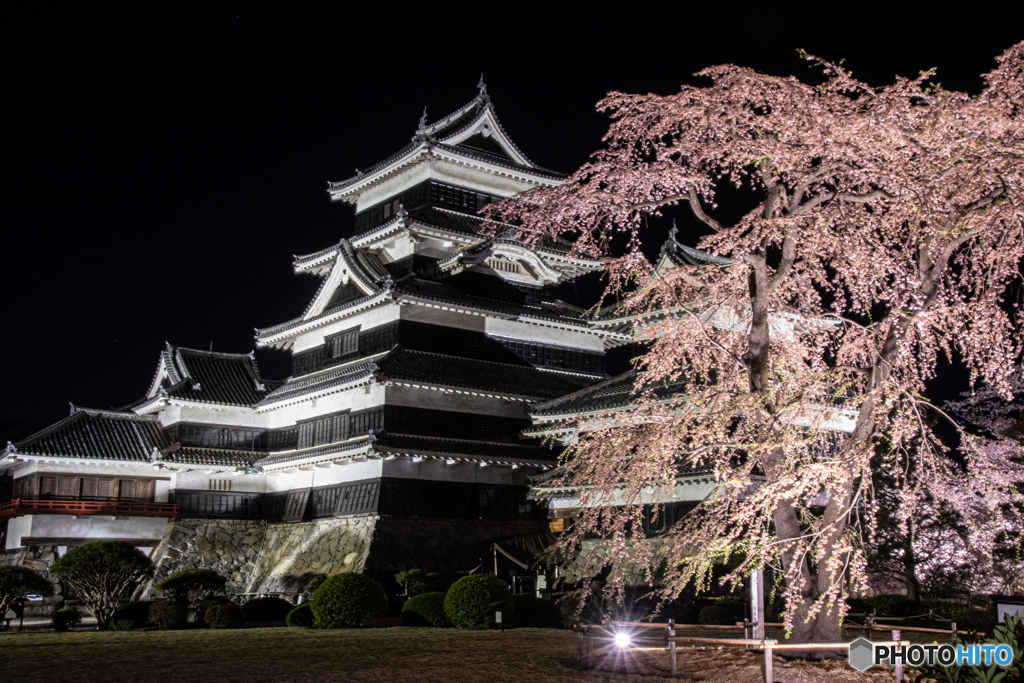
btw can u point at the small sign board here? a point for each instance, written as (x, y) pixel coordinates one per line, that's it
(497, 617)
(1005, 608)
(10, 614)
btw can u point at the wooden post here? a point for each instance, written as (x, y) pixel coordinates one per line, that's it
(954, 629)
(590, 647)
(672, 644)
(769, 674)
(868, 621)
(899, 662)
(579, 645)
(757, 603)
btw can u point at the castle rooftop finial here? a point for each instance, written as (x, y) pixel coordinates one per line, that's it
(423, 122)
(482, 87)
(674, 231)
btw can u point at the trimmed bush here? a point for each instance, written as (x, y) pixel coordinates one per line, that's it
(192, 587)
(228, 615)
(267, 609)
(64, 619)
(426, 609)
(348, 601)
(536, 612)
(472, 601)
(135, 613)
(300, 617)
(16, 582)
(716, 615)
(122, 625)
(209, 602)
(167, 614)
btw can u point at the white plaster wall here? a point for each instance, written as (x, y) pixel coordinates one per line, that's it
(374, 317)
(221, 415)
(324, 476)
(198, 478)
(70, 530)
(357, 398)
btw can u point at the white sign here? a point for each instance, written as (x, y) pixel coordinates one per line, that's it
(497, 617)
(1002, 609)
(10, 615)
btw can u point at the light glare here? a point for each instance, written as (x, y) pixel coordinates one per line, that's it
(623, 640)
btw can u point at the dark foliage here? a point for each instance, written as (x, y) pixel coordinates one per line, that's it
(103, 573)
(426, 609)
(267, 609)
(716, 615)
(472, 601)
(64, 619)
(348, 601)
(301, 616)
(167, 614)
(130, 616)
(228, 615)
(536, 612)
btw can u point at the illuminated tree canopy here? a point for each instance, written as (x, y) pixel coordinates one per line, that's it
(887, 229)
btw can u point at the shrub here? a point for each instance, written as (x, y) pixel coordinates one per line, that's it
(415, 582)
(228, 615)
(267, 609)
(122, 625)
(715, 615)
(300, 617)
(192, 586)
(103, 573)
(426, 609)
(208, 602)
(167, 614)
(135, 613)
(536, 612)
(348, 600)
(472, 601)
(15, 582)
(64, 619)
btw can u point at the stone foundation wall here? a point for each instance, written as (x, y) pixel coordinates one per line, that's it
(432, 544)
(295, 553)
(37, 558)
(229, 547)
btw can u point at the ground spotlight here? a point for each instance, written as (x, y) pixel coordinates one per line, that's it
(622, 640)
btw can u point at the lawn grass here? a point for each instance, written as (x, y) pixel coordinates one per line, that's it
(392, 655)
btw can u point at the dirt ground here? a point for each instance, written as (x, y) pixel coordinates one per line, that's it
(376, 655)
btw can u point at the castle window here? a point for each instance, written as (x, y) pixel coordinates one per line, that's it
(345, 344)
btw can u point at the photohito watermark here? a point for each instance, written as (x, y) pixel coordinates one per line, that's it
(864, 654)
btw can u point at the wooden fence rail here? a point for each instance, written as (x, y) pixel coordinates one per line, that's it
(647, 632)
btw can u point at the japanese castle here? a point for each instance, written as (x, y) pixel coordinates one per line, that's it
(398, 440)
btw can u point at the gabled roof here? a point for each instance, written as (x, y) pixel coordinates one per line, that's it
(208, 377)
(213, 457)
(476, 376)
(362, 268)
(332, 379)
(428, 290)
(674, 253)
(100, 435)
(616, 394)
(470, 134)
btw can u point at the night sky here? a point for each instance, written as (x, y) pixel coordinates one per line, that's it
(162, 167)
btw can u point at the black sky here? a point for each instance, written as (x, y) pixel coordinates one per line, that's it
(164, 162)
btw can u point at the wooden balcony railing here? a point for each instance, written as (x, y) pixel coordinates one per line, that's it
(116, 508)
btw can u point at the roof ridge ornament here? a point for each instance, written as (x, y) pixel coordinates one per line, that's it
(482, 87)
(673, 232)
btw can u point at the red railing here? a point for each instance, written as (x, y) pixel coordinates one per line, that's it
(117, 508)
